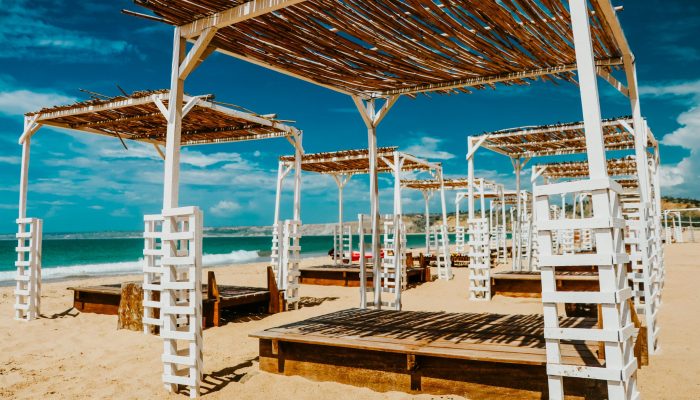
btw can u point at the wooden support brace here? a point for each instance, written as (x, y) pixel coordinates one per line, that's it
(195, 55)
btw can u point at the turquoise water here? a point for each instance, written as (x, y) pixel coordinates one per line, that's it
(84, 257)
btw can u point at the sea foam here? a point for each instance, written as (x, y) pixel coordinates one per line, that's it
(129, 267)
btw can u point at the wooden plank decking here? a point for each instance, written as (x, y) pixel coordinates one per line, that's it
(433, 352)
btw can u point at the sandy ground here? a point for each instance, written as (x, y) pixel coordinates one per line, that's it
(67, 354)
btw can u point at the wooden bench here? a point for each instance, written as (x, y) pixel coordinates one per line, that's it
(349, 275)
(529, 284)
(472, 355)
(104, 299)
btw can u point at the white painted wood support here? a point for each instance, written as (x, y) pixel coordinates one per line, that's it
(234, 15)
(620, 367)
(283, 170)
(372, 118)
(29, 241)
(290, 259)
(31, 126)
(392, 275)
(426, 198)
(364, 273)
(340, 239)
(152, 271)
(27, 305)
(171, 178)
(642, 276)
(460, 231)
(444, 264)
(479, 259)
(517, 238)
(181, 299)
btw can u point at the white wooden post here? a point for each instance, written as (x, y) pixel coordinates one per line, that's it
(504, 247)
(27, 291)
(152, 272)
(399, 258)
(362, 260)
(517, 231)
(372, 118)
(426, 198)
(181, 299)
(444, 263)
(620, 367)
(276, 226)
(174, 127)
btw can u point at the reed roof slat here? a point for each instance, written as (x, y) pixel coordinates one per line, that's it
(137, 117)
(386, 47)
(617, 167)
(558, 139)
(357, 161)
(449, 184)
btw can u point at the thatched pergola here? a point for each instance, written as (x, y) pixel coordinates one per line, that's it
(376, 51)
(617, 167)
(144, 117)
(522, 144)
(342, 165)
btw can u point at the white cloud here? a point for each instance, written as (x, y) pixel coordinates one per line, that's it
(202, 160)
(682, 178)
(120, 212)
(21, 101)
(427, 147)
(10, 160)
(225, 208)
(685, 88)
(26, 35)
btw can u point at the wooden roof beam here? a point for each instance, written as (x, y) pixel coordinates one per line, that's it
(131, 101)
(486, 80)
(234, 15)
(532, 130)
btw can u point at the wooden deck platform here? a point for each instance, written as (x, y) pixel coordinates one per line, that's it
(105, 299)
(529, 284)
(472, 355)
(349, 275)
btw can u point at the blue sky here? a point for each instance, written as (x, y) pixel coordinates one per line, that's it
(83, 183)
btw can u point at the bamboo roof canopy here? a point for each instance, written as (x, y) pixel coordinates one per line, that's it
(449, 184)
(357, 161)
(617, 167)
(559, 139)
(389, 47)
(141, 116)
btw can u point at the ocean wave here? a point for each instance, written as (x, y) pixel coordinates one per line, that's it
(129, 267)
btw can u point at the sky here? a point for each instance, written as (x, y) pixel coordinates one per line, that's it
(80, 182)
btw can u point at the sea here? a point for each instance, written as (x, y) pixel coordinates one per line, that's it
(81, 255)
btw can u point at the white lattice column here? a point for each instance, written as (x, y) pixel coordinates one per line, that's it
(181, 299)
(642, 275)
(152, 271)
(392, 274)
(617, 328)
(479, 260)
(290, 259)
(365, 291)
(28, 269)
(460, 231)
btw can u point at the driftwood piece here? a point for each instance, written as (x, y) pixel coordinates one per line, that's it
(131, 307)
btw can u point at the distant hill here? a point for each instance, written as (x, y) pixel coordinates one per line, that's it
(668, 202)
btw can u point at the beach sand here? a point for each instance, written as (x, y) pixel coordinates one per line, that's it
(68, 354)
